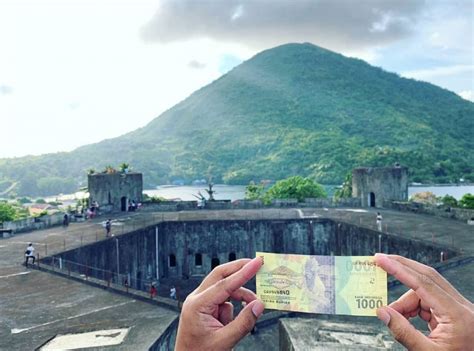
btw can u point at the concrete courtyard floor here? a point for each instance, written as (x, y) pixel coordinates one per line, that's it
(35, 306)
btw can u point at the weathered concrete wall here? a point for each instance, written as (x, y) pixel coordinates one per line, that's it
(109, 189)
(167, 339)
(170, 206)
(191, 249)
(131, 256)
(251, 204)
(461, 214)
(385, 183)
(34, 223)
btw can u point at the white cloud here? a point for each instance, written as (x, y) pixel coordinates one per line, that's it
(467, 95)
(260, 24)
(239, 11)
(196, 64)
(81, 76)
(5, 89)
(78, 72)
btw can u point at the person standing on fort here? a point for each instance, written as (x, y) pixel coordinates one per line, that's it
(65, 220)
(173, 293)
(379, 222)
(29, 253)
(153, 290)
(108, 227)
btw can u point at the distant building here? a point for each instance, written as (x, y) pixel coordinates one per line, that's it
(374, 185)
(115, 191)
(37, 209)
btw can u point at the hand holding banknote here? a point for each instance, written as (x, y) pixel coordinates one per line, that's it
(449, 315)
(207, 319)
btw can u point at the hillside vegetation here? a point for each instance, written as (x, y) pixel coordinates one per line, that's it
(296, 109)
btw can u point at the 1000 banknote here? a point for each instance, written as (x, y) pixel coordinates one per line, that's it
(351, 285)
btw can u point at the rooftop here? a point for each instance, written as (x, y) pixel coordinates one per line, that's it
(36, 306)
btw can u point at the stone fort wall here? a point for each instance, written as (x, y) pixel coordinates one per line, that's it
(115, 191)
(374, 185)
(190, 249)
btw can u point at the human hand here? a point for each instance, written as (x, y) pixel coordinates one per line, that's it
(449, 315)
(207, 318)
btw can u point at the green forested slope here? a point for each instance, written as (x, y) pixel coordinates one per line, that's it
(293, 109)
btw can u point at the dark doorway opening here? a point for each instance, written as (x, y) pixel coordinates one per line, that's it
(372, 200)
(172, 260)
(215, 262)
(123, 203)
(198, 259)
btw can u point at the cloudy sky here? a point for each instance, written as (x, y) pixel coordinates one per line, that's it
(77, 72)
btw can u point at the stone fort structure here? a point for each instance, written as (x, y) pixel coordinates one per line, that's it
(115, 191)
(181, 251)
(374, 185)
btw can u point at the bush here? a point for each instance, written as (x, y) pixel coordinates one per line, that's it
(425, 197)
(153, 199)
(295, 187)
(448, 200)
(467, 201)
(254, 191)
(7, 212)
(346, 189)
(24, 200)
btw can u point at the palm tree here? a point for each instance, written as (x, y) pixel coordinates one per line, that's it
(109, 169)
(124, 167)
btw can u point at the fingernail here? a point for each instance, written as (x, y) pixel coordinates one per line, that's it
(257, 308)
(383, 315)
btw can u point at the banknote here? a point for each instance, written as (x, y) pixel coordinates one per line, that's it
(349, 285)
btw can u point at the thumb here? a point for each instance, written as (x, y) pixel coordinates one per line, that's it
(233, 332)
(403, 331)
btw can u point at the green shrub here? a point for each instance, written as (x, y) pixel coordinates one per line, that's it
(24, 200)
(467, 201)
(254, 191)
(448, 200)
(7, 212)
(346, 190)
(295, 187)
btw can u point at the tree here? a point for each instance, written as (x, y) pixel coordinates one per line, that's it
(110, 169)
(28, 184)
(424, 197)
(346, 190)
(254, 191)
(296, 187)
(24, 200)
(124, 167)
(55, 185)
(210, 191)
(448, 200)
(467, 201)
(7, 212)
